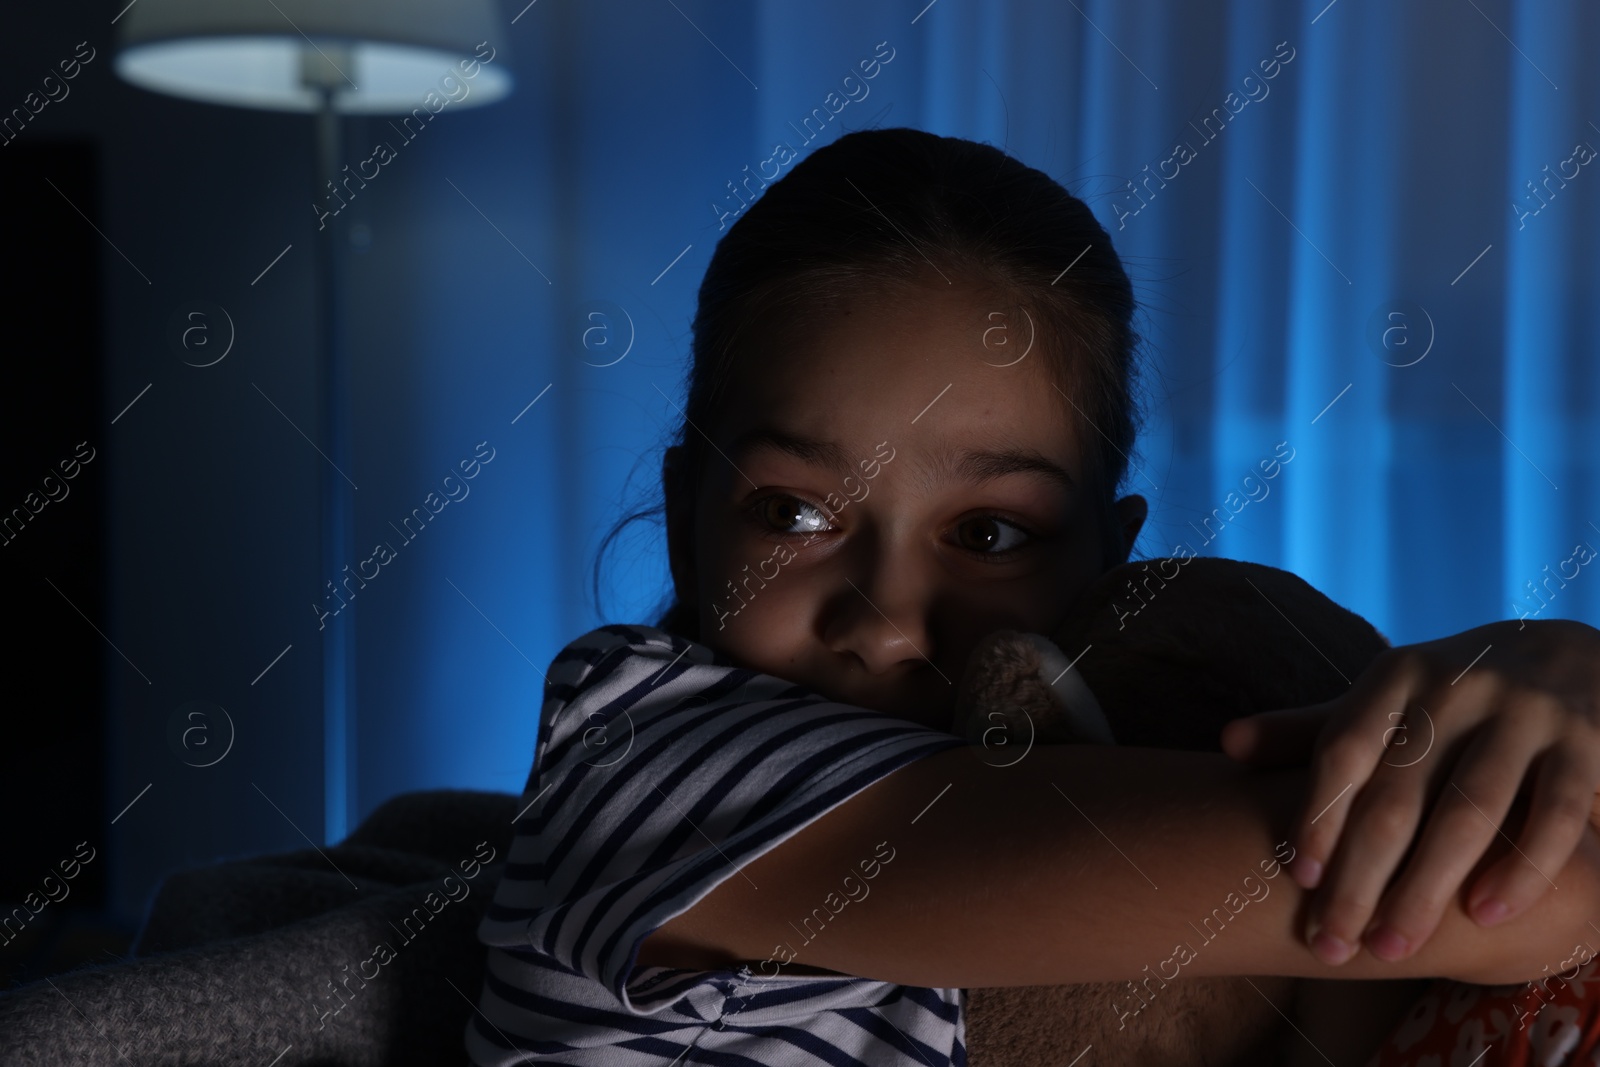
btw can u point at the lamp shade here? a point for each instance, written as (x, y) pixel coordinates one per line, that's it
(371, 56)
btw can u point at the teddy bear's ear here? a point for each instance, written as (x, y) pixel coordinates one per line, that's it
(1017, 689)
(999, 688)
(1075, 714)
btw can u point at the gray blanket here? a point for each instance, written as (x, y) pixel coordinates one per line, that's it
(357, 955)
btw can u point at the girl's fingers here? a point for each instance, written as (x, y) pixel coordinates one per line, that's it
(1562, 807)
(1284, 738)
(1360, 725)
(1382, 822)
(1464, 821)
(1372, 779)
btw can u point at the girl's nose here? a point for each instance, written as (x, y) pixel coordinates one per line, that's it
(881, 617)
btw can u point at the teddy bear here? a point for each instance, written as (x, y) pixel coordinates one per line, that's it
(1162, 653)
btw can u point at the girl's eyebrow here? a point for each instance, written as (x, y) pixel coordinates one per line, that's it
(972, 465)
(820, 453)
(982, 465)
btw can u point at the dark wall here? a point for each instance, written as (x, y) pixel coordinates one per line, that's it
(204, 509)
(52, 547)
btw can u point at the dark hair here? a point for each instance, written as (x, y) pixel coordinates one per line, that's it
(887, 209)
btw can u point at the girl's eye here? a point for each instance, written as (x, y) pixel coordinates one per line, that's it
(991, 535)
(787, 514)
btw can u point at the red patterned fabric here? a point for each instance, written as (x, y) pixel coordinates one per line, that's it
(1551, 1022)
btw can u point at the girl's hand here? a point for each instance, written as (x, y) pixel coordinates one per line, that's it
(1466, 722)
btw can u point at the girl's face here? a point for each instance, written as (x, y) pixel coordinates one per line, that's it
(895, 487)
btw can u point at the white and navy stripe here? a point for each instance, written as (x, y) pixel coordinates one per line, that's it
(650, 748)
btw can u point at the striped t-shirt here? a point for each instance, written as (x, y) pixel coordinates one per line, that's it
(660, 771)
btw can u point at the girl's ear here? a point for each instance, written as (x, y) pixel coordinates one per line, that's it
(679, 497)
(1131, 512)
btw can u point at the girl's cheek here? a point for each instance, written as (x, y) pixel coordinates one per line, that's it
(772, 633)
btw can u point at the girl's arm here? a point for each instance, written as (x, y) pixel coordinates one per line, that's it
(1077, 864)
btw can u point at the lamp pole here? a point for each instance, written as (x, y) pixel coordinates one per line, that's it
(324, 71)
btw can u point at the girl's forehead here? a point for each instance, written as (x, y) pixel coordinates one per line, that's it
(943, 357)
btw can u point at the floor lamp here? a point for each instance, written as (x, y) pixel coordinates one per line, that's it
(327, 58)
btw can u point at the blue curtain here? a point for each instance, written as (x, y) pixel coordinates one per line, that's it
(1363, 237)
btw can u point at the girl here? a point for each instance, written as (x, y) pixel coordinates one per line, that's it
(747, 836)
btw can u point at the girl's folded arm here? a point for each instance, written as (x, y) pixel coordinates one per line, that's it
(1076, 864)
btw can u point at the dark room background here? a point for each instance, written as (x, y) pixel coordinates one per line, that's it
(1381, 255)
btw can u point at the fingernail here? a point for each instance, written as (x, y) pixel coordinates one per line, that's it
(1386, 943)
(1489, 912)
(1306, 872)
(1330, 949)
